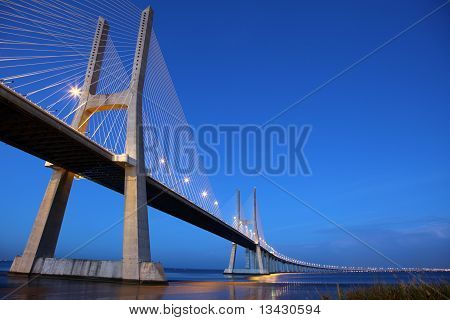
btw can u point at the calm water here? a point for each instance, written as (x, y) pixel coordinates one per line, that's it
(205, 284)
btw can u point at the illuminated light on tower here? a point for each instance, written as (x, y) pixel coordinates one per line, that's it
(186, 180)
(216, 203)
(204, 194)
(75, 92)
(162, 161)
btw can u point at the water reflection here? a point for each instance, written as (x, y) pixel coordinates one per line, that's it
(205, 285)
(17, 287)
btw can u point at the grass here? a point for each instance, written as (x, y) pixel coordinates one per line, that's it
(410, 291)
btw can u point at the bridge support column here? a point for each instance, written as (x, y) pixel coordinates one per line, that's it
(252, 263)
(247, 258)
(232, 262)
(47, 225)
(136, 242)
(266, 261)
(258, 253)
(254, 259)
(259, 260)
(232, 257)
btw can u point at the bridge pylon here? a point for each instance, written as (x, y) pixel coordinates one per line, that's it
(232, 262)
(254, 257)
(136, 265)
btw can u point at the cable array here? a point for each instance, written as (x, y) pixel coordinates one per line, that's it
(44, 51)
(170, 150)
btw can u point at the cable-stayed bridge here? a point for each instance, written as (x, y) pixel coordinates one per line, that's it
(84, 86)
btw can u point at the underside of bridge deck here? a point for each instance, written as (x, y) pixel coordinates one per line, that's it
(27, 127)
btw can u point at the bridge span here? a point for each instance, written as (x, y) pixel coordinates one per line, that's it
(26, 126)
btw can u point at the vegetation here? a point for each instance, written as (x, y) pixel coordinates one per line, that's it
(410, 291)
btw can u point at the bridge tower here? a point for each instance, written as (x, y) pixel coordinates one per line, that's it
(254, 257)
(232, 263)
(258, 254)
(136, 265)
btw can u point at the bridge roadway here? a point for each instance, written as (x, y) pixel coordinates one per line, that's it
(26, 126)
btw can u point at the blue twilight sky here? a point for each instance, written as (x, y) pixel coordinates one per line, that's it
(379, 149)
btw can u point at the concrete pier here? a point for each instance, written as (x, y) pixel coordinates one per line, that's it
(92, 269)
(136, 241)
(254, 258)
(47, 225)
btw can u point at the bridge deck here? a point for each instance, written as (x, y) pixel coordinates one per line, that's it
(27, 127)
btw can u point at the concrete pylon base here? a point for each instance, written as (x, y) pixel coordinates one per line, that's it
(149, 272)
(245, 271)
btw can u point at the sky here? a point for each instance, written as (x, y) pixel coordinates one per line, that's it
(379, 150)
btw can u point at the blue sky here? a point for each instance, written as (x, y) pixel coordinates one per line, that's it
(379, 149)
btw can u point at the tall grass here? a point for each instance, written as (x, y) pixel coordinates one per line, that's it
(410, 291)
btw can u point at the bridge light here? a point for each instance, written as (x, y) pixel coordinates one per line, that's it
(204, 194)
(186, 180)
(75, 92)
(162, 161)
(216, 203)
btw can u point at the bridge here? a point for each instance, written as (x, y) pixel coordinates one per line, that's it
(98, 130)
(24, 124)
